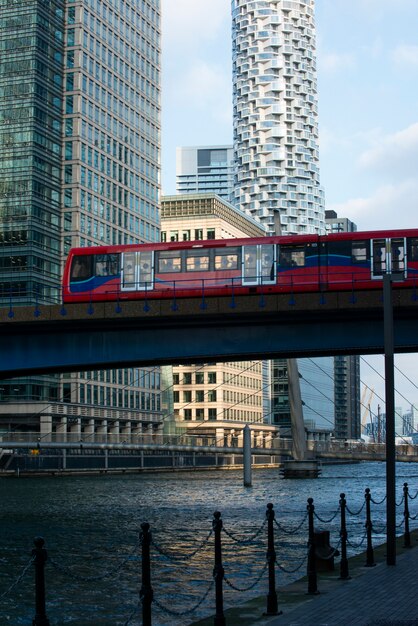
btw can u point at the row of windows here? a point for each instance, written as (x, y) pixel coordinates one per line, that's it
(199, 378)
(199, 396)
(132, 17)
(123, 175)
(131, 376)
(212, 414)
(196, 234)
(122, 398)
(115, 214)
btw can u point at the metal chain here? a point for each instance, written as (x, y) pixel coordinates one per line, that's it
(185, 558)
(413, 517)
(357, 545)
(380, 501)
(327, 521)
(412, 497)
(358, 512)
(249, 539)
(399, 503)
(136, 610)
(379, 531)
(164, 609)
(254, 584)
(292, 571)
(291, 532)
(66, 570)
(401, 523)
(18, 579)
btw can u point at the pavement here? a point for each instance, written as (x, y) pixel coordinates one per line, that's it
(384, 595)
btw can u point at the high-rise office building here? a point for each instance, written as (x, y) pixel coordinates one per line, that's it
(205, 169)
(80, 142)
(276, 113)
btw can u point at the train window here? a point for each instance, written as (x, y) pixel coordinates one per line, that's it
(413, 249)
(169, 261)
(359, 251)
(226, 259)
(107, 264)
(292, 256)
(81, 268)
(197, 261)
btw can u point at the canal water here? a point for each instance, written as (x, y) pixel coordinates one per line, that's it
(91, 527)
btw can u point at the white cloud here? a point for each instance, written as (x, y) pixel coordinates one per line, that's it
(405, 55)
(391, 206)
(395, 154)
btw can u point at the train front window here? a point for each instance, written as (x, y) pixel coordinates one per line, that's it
(81, 268)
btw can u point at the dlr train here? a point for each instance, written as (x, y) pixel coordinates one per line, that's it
(276, 264)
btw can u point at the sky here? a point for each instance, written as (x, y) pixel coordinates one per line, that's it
(367, 62)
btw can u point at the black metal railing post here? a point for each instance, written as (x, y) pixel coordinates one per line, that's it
(407, 536)
(146, 593)
(40, 556)
(271, 561)
(311, 569)
(344, 575)
(369, 528)
(218, 571)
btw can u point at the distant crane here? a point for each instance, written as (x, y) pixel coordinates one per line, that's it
(367, 424)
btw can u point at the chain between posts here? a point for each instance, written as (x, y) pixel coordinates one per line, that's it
(18, 579)
(182, 558)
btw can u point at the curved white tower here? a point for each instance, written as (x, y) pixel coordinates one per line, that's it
(276, 113)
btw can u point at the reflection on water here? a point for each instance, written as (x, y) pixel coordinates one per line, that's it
(91, 524)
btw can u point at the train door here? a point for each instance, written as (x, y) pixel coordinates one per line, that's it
(138, 270)
(388, 256)
(258, 265)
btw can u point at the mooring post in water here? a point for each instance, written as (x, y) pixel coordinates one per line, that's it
(146, 593)
(247, 456)
(40, 556)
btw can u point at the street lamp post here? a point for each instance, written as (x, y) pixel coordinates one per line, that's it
(390, 421)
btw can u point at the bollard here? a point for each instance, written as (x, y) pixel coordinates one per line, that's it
(311, 570)
(146, 593)
(369, 527)
(218, 571)
(271, 560)
(344, 575)
(40, 556)
(407, 536)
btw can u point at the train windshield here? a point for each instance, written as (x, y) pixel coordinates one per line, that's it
(81, 268)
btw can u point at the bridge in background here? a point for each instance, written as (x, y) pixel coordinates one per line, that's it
(86, 336)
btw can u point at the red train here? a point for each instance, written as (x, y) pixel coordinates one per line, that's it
(221, 267)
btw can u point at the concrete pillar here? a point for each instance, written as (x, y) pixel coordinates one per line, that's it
(61, 430)
(45, 427)
(114, 433)
(88, 434)
(101, 432)
(74, 430)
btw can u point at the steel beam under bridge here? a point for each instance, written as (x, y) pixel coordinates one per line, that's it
(109, 335)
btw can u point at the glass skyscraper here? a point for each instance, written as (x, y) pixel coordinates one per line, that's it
(80, 165)
(276, 114)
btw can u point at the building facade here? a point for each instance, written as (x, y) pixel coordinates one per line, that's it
(80, 162)
(215, 399)
(205, 169)
(276, 114)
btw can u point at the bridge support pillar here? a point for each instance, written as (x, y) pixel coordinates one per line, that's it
(61, 430)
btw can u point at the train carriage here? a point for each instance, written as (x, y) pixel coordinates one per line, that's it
(283, 264)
